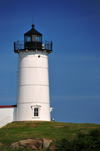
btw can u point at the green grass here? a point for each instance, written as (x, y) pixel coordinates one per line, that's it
(16, 131)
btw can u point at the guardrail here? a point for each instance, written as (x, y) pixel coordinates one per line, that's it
(19, 45)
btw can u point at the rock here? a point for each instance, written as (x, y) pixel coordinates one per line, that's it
(46, 143)
(30, 143)
(34, 144)
(52, 147)
(15, 145)
(24, 143)
(32, 147)
(1, 144)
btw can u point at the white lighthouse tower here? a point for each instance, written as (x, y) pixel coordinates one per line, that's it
(33, 100)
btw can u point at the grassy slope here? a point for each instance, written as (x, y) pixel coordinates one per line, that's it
(52, 130)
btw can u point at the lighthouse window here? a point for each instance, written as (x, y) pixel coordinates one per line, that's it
(33, 37)
(35, 111)
(27, 39)
(36, 38)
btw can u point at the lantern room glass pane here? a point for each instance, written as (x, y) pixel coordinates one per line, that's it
(33, 37)
(27, 38)
(36, 38)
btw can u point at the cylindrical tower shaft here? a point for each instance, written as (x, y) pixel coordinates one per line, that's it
(33, 86)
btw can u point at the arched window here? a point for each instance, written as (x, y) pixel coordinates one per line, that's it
(35, 111)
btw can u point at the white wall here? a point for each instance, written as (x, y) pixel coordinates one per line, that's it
(26, 112)
(33, 86)
(7, 115)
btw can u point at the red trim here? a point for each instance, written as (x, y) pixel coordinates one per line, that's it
(7, 106)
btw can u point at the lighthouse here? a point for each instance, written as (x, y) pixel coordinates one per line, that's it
(33, 98)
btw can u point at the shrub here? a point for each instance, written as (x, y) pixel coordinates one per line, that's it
(83, 142)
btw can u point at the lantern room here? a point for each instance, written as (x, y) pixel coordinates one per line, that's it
(32, 41)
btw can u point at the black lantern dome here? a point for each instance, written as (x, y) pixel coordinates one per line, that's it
(32, 41)
(33, 31)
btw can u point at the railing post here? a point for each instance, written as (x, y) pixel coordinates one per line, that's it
(45, 44)
(51, 45)
(14, 46)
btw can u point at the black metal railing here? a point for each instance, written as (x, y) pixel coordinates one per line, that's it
(21, 45)
(18, 45)
(48, 45)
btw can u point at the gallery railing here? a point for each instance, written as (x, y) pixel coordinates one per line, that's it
(20, 45)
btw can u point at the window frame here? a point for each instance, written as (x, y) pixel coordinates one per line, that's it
(33, 107)
(36, 112)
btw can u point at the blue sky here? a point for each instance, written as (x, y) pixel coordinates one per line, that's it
(74, 65)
